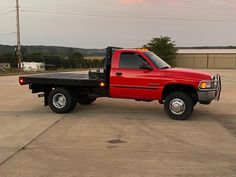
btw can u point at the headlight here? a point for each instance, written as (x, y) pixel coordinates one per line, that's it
(206, 85)
(210, 84)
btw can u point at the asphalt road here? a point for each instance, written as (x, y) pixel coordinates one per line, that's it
(115, 138)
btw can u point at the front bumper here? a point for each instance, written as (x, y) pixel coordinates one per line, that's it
(207, 95)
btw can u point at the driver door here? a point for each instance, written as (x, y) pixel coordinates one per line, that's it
(129, 81)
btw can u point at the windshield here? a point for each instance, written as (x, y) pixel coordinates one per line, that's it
(157, 60)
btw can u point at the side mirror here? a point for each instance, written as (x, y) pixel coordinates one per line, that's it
(145, 65)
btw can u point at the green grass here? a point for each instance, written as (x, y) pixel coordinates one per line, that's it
(9, 72)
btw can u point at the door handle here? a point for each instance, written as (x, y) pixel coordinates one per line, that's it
(119, 74)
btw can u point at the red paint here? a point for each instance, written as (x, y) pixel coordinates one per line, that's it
(148, 84)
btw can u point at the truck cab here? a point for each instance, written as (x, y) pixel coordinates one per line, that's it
(136, 74)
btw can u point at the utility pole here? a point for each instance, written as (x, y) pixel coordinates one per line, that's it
(18, 49)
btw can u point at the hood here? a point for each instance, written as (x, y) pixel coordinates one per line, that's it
(187, 73)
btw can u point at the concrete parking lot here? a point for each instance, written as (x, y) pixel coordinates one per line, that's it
(115, 138)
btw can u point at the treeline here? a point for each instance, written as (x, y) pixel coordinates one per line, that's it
(9, 58)
(51, 50)
(74, 60)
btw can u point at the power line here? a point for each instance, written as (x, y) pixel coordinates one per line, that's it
(6, 13)
(6, 34)
(129, 17)
(8, 6)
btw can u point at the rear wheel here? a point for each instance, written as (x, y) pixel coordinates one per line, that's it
(85, 100)
(74, 100)
(61, 101)
(179, 106)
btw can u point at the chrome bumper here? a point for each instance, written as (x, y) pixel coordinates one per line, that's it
(213, 93)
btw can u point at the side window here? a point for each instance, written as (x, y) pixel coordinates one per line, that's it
(130, 60)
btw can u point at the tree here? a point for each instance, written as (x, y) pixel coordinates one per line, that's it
(76, 60)
(53, 60)
(9, 58)
(34, 57)
(164, 47)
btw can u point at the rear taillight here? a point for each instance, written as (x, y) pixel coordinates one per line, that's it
(21, 81)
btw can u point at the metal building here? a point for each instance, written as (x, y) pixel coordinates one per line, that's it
(206, 58)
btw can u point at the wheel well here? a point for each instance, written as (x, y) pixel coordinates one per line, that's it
(75, 90)
(188, 89)
(49, 88)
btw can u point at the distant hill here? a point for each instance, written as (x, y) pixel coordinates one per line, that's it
(52, 50)
(66, 51)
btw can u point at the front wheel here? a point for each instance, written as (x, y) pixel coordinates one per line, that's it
(178, 106)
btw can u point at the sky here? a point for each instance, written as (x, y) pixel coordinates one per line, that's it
(123, 23)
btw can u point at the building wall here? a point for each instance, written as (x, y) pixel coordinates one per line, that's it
(212, 61)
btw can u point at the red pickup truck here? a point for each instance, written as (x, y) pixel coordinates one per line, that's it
(130, 74)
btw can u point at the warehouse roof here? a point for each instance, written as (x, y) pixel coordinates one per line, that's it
(207, 51)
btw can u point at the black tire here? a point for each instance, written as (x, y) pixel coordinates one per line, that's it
(85, 100)
(183, 102)
(74, 100)
(64, 106)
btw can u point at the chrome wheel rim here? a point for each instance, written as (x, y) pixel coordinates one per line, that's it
(177, 106)
(59, 101)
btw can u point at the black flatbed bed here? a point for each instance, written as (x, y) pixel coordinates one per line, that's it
(70, 79)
